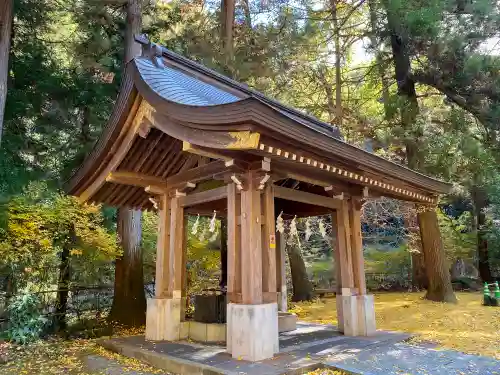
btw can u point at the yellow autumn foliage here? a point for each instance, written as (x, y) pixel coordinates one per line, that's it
(467, 326)
(37, 228)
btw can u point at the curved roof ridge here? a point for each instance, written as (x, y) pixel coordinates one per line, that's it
(241, 87)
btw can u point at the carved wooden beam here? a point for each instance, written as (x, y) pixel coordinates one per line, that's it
(198, 174)
(194, 149)
(228, 140)
(203, 197)
(135, 179)
(308, 198)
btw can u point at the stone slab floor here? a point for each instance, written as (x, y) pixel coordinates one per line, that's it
(309, 347)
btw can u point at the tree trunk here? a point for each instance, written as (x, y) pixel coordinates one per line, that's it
(226, 27)
(440, 288)
(129, 302)
(302, 287)
(388, 112)
(338, 61)
(419, 277)
(6, 9)
(248, 15)
(439, 281)
(62, 289)
(329, 94)
(406, 89)
(134, 26)
(480, 202)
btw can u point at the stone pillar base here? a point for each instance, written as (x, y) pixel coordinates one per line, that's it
(163, 319)
(340, 313)
(366, 315)
(349, 315)
(252, 331)
(357, 315)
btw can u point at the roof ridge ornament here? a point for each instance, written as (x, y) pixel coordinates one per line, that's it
(151, 50)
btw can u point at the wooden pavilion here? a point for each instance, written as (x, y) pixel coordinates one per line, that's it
(184, 139)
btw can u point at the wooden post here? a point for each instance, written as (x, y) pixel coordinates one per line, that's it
(268, 242)
(163, 318)
(281, 272)
(252, 323)
(233, 242)
(251, 242)
(184, 269)
(162, 249)
(336, 244)
(357, 246)
(176, 247)
(347, 301)
(344, 248)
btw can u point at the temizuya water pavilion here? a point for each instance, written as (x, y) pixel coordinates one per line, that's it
(185, 139)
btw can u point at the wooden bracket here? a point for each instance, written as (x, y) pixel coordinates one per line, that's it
(186, 187)
(177, 194)
(144, 129)
(366, 192)
(261, 165)
(263, 181)
(239, 184)
(155, 190)
(154, 202)
(331, 189)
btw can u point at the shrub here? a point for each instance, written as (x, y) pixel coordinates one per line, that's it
(26, 322)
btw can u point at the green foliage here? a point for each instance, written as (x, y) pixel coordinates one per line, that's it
(26, 323)
(395, 261)
(39, 224)
(459, 240)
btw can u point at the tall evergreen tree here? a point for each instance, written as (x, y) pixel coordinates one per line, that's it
(129, 302)
(6, 9)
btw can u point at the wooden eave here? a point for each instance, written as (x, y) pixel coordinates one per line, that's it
(253, 114)
(152, 128)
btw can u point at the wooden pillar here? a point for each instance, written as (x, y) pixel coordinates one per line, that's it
(269, 244)
(251, 242)
(362, 314)
(163, 318)
(344, 249)
(358, 265)
(176, 255)
(233, 243)
(184, 302)
(252, 324)
(281, 272)
(162, 248)
(336, 244)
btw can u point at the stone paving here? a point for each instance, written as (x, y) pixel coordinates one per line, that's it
(309, 347)
(96, 364)
(400, 358)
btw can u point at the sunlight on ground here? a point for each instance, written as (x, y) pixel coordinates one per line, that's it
(468, 326)
(57, 356)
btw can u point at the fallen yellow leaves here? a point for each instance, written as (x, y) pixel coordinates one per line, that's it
(58, 356)
(467, 326)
